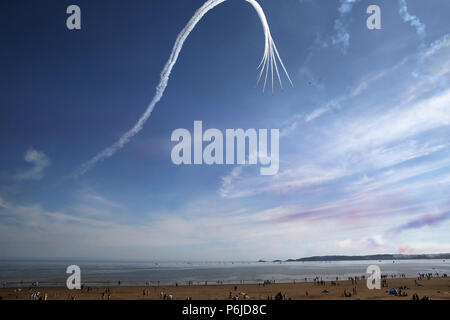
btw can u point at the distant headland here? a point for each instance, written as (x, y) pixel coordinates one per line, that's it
(369, 257)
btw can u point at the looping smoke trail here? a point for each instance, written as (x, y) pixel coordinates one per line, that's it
(269, 61)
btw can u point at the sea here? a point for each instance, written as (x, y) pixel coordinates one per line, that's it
(53, 273)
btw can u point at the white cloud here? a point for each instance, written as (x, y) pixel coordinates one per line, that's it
(3, 203)
(341, 38)
(39, 160)
(414, 21)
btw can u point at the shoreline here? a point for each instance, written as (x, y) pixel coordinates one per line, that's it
(436, 288)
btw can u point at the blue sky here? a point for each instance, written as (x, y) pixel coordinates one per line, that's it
(364, 147)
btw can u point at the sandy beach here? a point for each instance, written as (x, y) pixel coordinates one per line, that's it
(434, 288)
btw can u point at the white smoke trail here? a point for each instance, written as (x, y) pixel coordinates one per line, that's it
(269, 61)
(414, 21)
(437, 45)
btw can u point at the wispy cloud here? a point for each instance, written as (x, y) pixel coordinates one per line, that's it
(229, 180)
(425, 51)
(44, 230)
(90, 203)
(338, 102)
(437, 45)
(341, 38)
(3, 203)
(39, 160)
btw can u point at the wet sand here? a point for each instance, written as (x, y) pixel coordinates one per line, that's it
(434, 288)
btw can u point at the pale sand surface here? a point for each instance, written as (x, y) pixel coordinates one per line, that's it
(435, 288)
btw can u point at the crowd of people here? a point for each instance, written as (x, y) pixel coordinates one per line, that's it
(35, 291)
